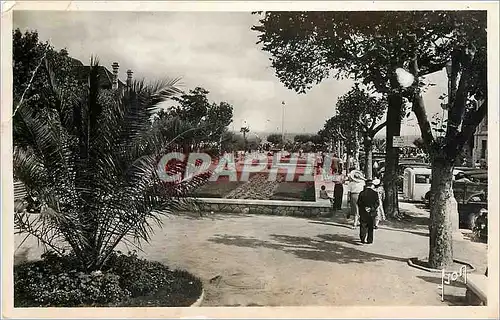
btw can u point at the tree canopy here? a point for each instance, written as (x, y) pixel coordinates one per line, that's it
(275, 138)
(302, 138)
(204, 122)
(307, 47)
(360, 111)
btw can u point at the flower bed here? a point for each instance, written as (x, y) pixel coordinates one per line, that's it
(216, 189)
(258, 187)
(125, 281)
(295, 191)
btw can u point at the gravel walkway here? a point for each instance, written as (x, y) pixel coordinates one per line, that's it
(249, 260)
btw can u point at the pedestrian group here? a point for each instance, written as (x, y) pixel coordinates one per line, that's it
(365, 199)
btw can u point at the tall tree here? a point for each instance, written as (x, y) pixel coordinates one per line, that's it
(360, 112)
(275, 138)
(463, 38)
(206, 121)
(244, 131)
(302, 138)
(30, 79)
(307, 47)
(335, 129)
(232, 141)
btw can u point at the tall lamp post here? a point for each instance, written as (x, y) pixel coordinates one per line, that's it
(283, 125)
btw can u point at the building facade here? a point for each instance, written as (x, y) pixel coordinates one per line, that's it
(107, 79)
(480, 148)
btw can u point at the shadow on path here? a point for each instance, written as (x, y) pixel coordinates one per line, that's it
(335, 224)
(410, 224)
(192, 215)
(324, 247)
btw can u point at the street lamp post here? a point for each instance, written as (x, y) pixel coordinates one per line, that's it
(283, 125)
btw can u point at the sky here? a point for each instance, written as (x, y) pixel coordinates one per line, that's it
(213, 50)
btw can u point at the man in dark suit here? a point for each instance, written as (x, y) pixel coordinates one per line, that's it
(368, 203)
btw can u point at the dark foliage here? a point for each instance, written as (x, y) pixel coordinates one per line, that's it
(125, 280)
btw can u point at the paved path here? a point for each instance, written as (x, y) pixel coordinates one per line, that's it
(285, 261)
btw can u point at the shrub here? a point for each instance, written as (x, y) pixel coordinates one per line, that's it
(139, 276)
(46, 283)
(125, 280)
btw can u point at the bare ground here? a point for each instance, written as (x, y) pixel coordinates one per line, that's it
(247, 260)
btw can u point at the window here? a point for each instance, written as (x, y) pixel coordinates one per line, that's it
(422, 178)
(484, 145)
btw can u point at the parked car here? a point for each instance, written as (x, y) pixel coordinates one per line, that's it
(471, 196)
(479, 225)
(416, 183)
(403, 165)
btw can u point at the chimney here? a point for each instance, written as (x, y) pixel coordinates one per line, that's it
(115, 66)
(129, 78)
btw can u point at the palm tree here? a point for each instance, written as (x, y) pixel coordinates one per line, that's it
(91, 158)
(245, 130)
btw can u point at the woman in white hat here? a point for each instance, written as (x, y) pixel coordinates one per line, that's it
(381, 196)
(355, 186)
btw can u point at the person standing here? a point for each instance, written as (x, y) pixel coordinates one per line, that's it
(354, 188)
(338, 190)
(375, 168)
(319, 163)
(368, 202)
(381, 196)
(335, 163)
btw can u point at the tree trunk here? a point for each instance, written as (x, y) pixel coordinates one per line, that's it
(350, 160)
(356, 151)
(245, 143)
(443, 214)
(368, 146)
(393, 128)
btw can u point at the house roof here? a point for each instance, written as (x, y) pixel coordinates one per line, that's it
(105, 76)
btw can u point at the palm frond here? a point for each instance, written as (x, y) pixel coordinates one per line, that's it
(92, 160)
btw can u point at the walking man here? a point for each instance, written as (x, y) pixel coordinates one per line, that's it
(368, 202)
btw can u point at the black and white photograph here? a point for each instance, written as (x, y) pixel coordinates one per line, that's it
(256, 158)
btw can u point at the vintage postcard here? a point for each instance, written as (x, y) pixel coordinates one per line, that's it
(249, 159)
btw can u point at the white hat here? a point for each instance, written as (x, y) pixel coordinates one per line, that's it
(356, 175)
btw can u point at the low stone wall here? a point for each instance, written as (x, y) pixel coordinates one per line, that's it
(267, 207)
